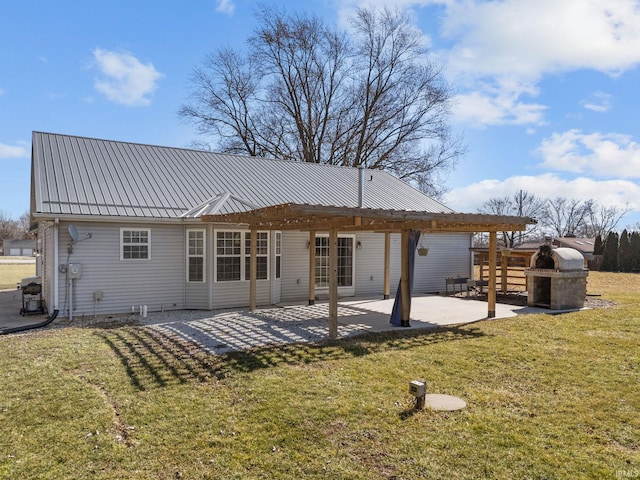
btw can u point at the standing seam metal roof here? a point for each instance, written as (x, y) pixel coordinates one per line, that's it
(88, 176)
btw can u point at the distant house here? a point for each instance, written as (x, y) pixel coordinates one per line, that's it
(583, 245)
(18, 248)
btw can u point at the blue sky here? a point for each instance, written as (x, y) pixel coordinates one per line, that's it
(547, 91)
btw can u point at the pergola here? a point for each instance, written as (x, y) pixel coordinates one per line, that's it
(315, 218)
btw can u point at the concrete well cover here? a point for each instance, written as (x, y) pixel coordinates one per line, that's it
(448, 403)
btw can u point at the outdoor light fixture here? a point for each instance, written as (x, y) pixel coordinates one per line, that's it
(358, 245)
(419, 390)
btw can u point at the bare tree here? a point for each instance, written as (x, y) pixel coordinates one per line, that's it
(24, 226)
(9, 228)
(309, 92)
(603, 220)
(567, 217)
(522, 203)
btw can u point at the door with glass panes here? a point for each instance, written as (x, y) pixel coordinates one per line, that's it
(346, 285)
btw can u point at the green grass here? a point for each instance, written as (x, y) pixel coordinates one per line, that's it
(12, 273)
(548, 397)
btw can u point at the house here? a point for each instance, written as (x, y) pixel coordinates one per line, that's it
(18, 248)
(121, 225)
(582, 244)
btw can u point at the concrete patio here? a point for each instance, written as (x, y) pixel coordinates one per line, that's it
(238, 329)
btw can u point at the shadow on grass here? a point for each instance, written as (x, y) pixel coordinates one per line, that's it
(155, 359)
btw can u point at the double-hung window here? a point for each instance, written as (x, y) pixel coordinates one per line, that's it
(228, 256)
(233, 261)
(195, 255)
(278, 254)
(135, 243)
(262, 252)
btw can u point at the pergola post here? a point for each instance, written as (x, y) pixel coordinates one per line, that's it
(504, 272)
(387, 264)
(312, 267)
(333, 283)
(405, 310)
(253, 268)
(493, 263)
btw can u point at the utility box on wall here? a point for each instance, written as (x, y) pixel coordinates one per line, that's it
(74, 270)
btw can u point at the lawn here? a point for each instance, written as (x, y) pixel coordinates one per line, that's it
(12, 273)
(548, 397)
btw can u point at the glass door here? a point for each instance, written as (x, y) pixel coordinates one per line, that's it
(345, 264)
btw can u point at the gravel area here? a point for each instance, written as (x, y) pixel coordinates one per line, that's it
(233, 330)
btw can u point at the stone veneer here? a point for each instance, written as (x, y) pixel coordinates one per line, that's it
(557, 290)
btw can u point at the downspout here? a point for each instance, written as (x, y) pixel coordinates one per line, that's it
(55, 264)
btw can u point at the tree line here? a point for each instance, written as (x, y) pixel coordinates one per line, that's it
(14, 229)
(620, 253)
(558, 217)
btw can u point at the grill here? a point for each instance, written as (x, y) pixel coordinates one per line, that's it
(556, 278)
(31, 296)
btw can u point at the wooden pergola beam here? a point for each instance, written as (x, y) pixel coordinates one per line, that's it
(335, 219)
(321, 217)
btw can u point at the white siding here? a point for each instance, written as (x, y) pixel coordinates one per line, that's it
(160, 282)
(295, 266)
(449, 256)
(370, 263)
(236, 294)
(157, 282)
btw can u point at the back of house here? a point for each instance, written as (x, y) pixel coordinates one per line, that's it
(121, 225)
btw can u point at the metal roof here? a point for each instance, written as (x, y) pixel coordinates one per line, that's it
(87, 176)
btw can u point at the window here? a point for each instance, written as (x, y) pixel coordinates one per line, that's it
(195, 255)
(228, 253)
(278, 253)
(262, 252)
(345, 262)
(230, 256)
(135, 244)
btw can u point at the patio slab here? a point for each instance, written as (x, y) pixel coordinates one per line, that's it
(224, 331)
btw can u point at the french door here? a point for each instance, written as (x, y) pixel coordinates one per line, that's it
(346, 284)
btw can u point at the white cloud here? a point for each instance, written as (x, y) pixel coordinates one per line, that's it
(482, 108)
(601, 154)
(598, 102)
(512, 42)
(498, 46)
(529, 39)
(225, 6)
(13, 151)
(125, 79)
(618, 193)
